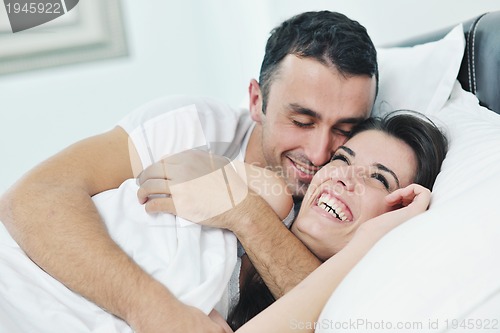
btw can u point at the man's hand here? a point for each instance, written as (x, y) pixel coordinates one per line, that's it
(180, 319)
(178, 168)
(194, 184)
(216, 317)
(201, 186)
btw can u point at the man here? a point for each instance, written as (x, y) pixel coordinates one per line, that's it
(318, 79)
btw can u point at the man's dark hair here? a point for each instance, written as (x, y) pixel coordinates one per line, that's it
(331, 38)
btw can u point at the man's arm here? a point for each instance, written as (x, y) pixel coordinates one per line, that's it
(280, 258)
(49, 212)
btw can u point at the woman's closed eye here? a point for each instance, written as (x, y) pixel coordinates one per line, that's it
(381, 179)
(341, 157)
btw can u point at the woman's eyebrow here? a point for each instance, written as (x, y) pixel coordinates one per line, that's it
(348, 150)
(386, 169)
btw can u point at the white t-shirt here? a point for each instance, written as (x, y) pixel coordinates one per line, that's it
(171, 125)
(194, 262)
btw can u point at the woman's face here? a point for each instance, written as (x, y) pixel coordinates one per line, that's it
(351, 189)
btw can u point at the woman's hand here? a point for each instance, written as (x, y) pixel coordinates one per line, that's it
(414, 199)
(410, 202)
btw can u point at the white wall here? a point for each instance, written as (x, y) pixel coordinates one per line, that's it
(194, 47)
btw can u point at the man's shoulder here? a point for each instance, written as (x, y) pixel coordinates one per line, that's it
(203, 105)
(175, 123)
(209, 111)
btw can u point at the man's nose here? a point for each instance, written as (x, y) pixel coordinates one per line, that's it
(320, 147)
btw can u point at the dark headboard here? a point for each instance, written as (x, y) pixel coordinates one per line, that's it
(480, 69)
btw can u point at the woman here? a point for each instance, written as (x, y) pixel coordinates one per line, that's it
(387, 164)
(363, 172)
(381, 177)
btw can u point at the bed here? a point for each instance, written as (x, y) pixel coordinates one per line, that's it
(479, 69)
(439, 272)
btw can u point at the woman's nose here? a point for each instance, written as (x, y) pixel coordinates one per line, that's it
(346, 183)
(350, 177)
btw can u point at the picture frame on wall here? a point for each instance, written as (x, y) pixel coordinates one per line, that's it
(92, 30)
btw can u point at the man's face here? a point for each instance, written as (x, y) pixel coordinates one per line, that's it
(310, 109)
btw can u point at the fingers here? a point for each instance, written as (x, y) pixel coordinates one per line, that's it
(160, 205)
(155, 194)
(153, 188)
(187, 177)
(414, 194)
(412, 200)
(216, 317)
(157, 170)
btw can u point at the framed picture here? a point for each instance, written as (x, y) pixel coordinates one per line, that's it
(92, 30)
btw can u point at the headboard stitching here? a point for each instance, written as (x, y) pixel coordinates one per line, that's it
(471, 68)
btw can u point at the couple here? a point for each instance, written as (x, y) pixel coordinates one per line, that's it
(318, 80)
(378, 178)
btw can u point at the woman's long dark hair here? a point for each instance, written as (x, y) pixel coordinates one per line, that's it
(255, 296)
(430, 147)
(416, 130)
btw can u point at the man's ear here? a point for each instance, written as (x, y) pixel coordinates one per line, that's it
(255, 101)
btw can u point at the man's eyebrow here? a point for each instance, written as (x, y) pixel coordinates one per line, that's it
(297, 108)
(351, 120)
(303, 110)
(348, 150)
(386, 169)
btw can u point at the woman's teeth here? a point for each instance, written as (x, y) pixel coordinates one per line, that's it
(332, 206)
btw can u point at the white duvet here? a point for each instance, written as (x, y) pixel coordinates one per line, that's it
(194, 262)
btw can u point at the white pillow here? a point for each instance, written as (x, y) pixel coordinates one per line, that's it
(419, 78)
(441, 269)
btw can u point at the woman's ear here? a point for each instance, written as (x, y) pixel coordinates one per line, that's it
(255, 101)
